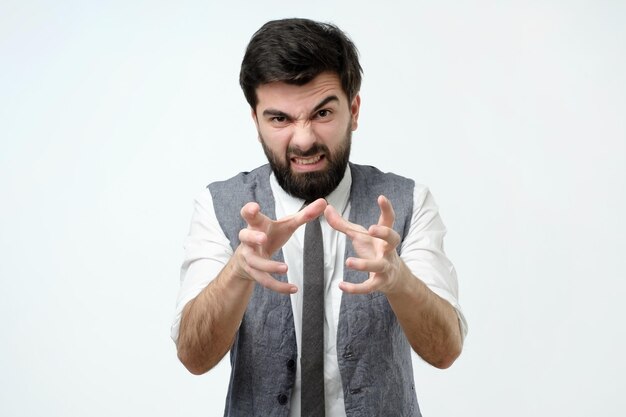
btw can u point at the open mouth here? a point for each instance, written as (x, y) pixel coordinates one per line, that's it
(307, 161)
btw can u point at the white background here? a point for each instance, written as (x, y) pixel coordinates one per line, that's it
(114, 114)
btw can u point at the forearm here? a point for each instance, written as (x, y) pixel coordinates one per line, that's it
(209, 321)
(429, 322)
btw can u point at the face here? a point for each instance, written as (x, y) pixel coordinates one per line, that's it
(306, 133)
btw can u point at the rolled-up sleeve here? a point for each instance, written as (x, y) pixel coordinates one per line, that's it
(423, 252)
(207, 251)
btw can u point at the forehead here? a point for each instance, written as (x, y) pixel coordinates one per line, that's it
(282, 95)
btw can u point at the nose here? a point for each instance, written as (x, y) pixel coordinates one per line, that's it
(303, 136)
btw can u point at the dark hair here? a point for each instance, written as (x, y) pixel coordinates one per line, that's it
(295, 51)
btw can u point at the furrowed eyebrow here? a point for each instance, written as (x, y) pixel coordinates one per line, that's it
(275, 113)
(325, 102)
(278, 113)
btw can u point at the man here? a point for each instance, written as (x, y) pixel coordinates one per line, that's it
(248, 280)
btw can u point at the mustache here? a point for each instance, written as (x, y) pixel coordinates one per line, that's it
(313, 150)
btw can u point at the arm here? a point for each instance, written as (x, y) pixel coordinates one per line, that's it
(429, 322)
(209, 321)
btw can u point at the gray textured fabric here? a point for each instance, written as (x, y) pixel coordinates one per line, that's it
(373, 353)
(312, 360)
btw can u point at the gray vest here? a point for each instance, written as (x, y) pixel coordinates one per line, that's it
(373, 353)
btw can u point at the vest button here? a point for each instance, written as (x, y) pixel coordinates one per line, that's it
(291, 364)
(282, 399)
(347, 353)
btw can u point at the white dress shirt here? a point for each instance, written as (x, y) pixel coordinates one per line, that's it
(207, 250)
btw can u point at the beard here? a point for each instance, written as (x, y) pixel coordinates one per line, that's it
(310, 186)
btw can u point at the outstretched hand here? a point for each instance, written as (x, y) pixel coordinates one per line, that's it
(376, 248)
(263, 237)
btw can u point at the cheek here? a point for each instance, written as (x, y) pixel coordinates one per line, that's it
(277, 140)
(331, 133)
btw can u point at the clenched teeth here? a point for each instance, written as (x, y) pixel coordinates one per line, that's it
(307, 161)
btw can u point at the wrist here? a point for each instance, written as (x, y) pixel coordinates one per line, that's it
(396, 279)
(405, 283)
(235, 272)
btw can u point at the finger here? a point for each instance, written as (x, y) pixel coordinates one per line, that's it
(308, 213)
(261, 264)
(269, 282)
(252, 237)
(390, 236)
(367, 265)
(314, 210)
(387, 215)
(366, 287)
(257, 268)
(333, 218)
(340, 224)
(287, 225)
(251, 213)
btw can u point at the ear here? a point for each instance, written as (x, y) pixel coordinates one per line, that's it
(354, 111)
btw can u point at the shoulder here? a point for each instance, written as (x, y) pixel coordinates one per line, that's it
(245, 178)
(374, 177)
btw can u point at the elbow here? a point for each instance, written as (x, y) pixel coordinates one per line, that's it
(447, 358)
(442, 358)
(195, 369)
(193, 363)
(445, 362)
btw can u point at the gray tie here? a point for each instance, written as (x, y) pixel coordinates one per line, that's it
(312, 360)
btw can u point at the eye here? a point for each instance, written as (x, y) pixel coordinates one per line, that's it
(322, 114)
(278, 120)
